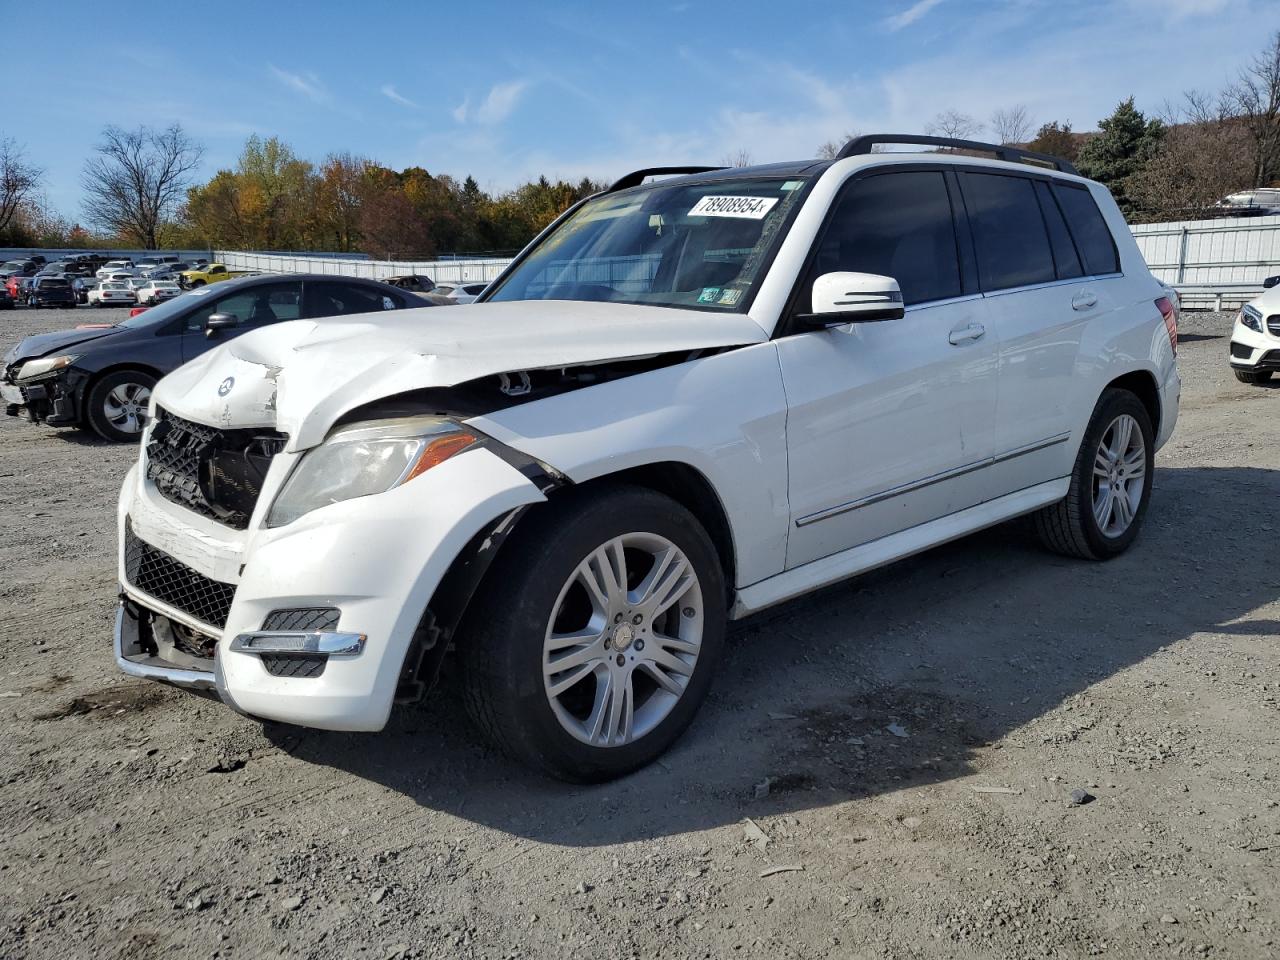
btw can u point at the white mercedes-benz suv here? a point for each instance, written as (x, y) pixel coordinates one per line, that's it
(688, 399)
(1255, 338)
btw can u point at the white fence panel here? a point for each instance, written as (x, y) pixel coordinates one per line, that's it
(1205, 252)
(441, 271)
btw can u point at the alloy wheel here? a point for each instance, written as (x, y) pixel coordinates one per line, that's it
(125, 407)
(623, 639)
(1119, 475)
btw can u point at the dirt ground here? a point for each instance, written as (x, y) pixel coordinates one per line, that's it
(883, 770)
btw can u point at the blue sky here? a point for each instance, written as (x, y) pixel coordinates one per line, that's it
(505, 91)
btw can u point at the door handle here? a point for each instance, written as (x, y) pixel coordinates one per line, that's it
(971, 332)
(1083, 301)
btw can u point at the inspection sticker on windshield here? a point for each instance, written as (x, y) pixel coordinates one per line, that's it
(746, 208)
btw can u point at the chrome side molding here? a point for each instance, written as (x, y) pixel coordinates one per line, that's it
(315, 643)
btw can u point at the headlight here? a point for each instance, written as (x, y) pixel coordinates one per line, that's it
(33, 368)
(1251, 318)
(365, 459)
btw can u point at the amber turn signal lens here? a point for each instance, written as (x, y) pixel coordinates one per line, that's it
(439, 450)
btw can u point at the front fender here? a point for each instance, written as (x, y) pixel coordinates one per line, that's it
(379, 559)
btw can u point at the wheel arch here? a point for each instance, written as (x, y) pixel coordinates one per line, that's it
(1143, 385)
(82, 405)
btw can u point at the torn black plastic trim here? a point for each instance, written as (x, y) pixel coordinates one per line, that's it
(434, 636)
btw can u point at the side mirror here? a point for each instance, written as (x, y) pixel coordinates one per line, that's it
(840, 298)
(1270, 282)
(219, 321)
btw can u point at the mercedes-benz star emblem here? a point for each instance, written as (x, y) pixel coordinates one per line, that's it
(225, 386)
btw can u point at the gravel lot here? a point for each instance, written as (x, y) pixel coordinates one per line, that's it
(901, 749)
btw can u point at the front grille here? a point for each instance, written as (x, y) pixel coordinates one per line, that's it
(216, 473)
(306, 619)
(1241, 351)
(156, 573)
(1273, 324)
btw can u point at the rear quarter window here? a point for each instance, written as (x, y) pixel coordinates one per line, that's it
(1093, 237)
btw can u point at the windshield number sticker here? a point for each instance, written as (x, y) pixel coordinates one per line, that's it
(730, 297)
(745, 208)
(709, 295)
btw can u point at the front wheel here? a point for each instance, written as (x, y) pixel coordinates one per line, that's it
(595, 636)
(116, 406)
(1110, 483)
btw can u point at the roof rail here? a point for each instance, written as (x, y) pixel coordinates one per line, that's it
(859, 146)
(637, 177)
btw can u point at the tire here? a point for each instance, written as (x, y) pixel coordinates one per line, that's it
(1253, 376)
(126, 390)
(1072, 526)
(197, 283)
(536, 585)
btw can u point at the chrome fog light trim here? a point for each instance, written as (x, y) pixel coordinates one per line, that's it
(289, 641)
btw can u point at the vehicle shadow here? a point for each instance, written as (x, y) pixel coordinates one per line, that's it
(887, 681)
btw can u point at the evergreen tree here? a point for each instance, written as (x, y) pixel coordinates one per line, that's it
(1127, 142)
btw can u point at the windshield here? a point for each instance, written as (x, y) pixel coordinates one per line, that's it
(700, 246)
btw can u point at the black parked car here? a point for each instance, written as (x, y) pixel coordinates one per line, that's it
(102, 378)
(6, 301)
(51, 291)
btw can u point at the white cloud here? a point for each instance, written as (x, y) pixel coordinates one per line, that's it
(307, 84)
(395, 96)
(910, 15)
(501, 100)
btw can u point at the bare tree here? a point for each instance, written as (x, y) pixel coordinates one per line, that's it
(1255, 99)
(738, 158)
(1012, 125)
(829, 149)
(18, 181)
(137, 181)
(1196, 165)
(954, 124)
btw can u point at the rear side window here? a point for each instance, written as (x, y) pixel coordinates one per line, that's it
(897, 225)
(333, 299)
(1093, 238)
(1008, 230)
(1064, 251)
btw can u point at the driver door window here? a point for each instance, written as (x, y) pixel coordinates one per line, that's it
(255, 307)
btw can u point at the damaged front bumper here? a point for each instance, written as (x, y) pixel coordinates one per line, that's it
(368, 568)
(54, 400)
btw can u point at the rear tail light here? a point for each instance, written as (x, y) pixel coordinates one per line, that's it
(1170, 314)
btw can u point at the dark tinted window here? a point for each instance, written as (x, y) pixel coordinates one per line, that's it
(253, 307)
(1090, 230)
(1008, 230)
(1064, 251)
(897, 225)
(335, 299)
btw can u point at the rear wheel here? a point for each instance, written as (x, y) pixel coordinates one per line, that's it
(1110, 483)
(116, 406)
(1253, 376)
(596, 633)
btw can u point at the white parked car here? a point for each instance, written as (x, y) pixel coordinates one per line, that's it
(689, 400)
(460, 292)
(1255, 338)
(111, 267)
(110, 293)
(156, 291)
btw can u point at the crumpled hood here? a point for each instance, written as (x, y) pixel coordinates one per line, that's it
(300, 377)
(43, 344)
